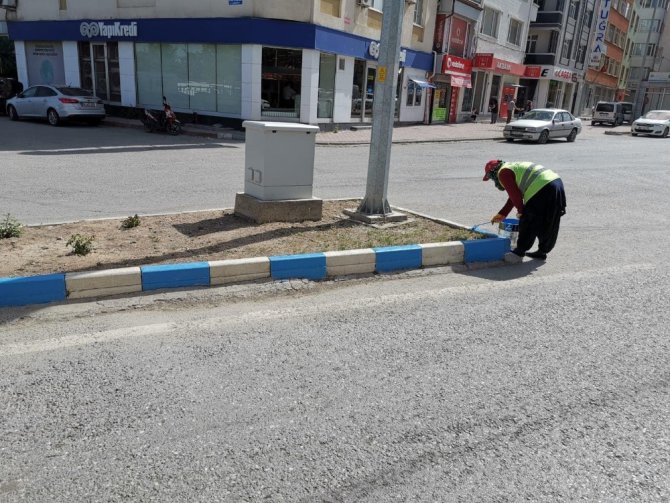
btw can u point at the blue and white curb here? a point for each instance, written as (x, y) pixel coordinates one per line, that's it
(21, 291)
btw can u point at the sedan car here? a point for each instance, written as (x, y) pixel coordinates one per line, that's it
(55, 104)
(541, 124)
(655, 123)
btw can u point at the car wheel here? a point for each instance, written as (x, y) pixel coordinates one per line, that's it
(665, 132)
(594, 123)
(634, 134)
(544, 136)
(11, 111)
(573, 134)
(52, 117)
(509, 139)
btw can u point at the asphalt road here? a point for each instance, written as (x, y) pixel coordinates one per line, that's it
(539, 382)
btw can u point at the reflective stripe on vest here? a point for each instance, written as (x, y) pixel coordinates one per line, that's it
(530, 177)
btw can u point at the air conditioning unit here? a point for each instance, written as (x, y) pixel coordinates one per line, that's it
(365, 3)
(8, 4)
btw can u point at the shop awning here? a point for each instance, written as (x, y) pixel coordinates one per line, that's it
(458, 81)
(422, 83)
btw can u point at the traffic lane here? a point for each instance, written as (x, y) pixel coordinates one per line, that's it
(406, 392)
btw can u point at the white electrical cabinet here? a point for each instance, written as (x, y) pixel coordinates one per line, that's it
(279, 160)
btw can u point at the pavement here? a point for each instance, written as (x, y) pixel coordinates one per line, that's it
(354, 135)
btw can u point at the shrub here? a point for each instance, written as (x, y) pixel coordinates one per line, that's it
(10, 227)
(131, 222)
(81, 245)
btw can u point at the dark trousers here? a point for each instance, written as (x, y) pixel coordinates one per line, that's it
(541, 218)
(494, 117)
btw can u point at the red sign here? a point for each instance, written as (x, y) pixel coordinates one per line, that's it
(453, 65)
(488, 62)
(438, 36)
(457, 35)
(533, 72)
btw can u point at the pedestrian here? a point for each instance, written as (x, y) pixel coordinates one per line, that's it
(529, 105)
(511, 108)
(474, 114)
(539, 197)
(493, 108)
(288, 94)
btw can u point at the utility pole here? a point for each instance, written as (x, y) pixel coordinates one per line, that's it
(375, 206)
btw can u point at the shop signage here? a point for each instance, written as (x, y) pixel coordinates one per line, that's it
(373, 50)
(488, 62)
(454, 65)
(457, 34)
(659, 76)
(438, 35)
(558, 73)
(532, 72)
(108, 30)
(599, 47)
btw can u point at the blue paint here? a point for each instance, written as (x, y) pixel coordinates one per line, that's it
(485, 250)
(307, 266)
(238, 30)
(32, 290)
(397, 258)
(155, 277)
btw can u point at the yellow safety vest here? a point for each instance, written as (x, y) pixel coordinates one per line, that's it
(530, 177)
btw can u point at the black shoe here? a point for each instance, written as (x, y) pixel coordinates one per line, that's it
(537, 254)
(518, 252)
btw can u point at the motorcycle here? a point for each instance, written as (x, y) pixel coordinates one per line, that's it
(161, 120)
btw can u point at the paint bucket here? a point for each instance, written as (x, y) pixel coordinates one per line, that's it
(509, 228)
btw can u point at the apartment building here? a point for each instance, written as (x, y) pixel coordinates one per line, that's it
(648, 80)
(309, 61)
(605, 79)
(556, 52)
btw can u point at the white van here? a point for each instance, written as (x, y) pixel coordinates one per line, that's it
(607, 112)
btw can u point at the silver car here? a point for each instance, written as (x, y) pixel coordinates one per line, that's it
(542, 124)
(655, 123)
(56, 104)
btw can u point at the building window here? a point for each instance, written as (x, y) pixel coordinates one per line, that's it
(490, 22)
(418, 12)
(531, 44)
(567, 49)
(581, 54)
(553, 42)
(203, 77)
(514, 33)
(281, 82)
(62, 4)
(573, 10)
(330, 7)
(327, 69)
(378, 5)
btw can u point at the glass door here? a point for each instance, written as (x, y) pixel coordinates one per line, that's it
(100, 77)
(99, 69)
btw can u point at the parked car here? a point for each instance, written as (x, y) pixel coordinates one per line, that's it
(655, 123)
(608, 112)
(541, 124)
(56, 104)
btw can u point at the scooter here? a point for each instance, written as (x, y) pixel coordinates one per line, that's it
(161, 120)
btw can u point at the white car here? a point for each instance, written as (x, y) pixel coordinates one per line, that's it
(655, 123)
(541, 124)
(56, 104)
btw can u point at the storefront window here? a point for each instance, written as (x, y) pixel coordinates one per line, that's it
(281, 82)
(327, 65)
(201, 85)
(467, 100)
(203, 77)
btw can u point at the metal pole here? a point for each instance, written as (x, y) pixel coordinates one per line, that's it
(383, 107)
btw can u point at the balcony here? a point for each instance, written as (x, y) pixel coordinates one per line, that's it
(548, 20)
(539, 59)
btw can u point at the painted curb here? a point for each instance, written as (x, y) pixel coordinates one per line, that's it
(42, 289)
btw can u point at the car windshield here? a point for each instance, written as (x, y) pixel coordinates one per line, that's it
(604, 107)
(538, 115)
(661, 115)
(74, 91)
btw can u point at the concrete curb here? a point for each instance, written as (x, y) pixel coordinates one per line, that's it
(41, 289)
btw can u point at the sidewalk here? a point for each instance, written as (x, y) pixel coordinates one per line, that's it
(360, 135)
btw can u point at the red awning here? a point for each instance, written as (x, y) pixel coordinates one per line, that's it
(457, 81)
